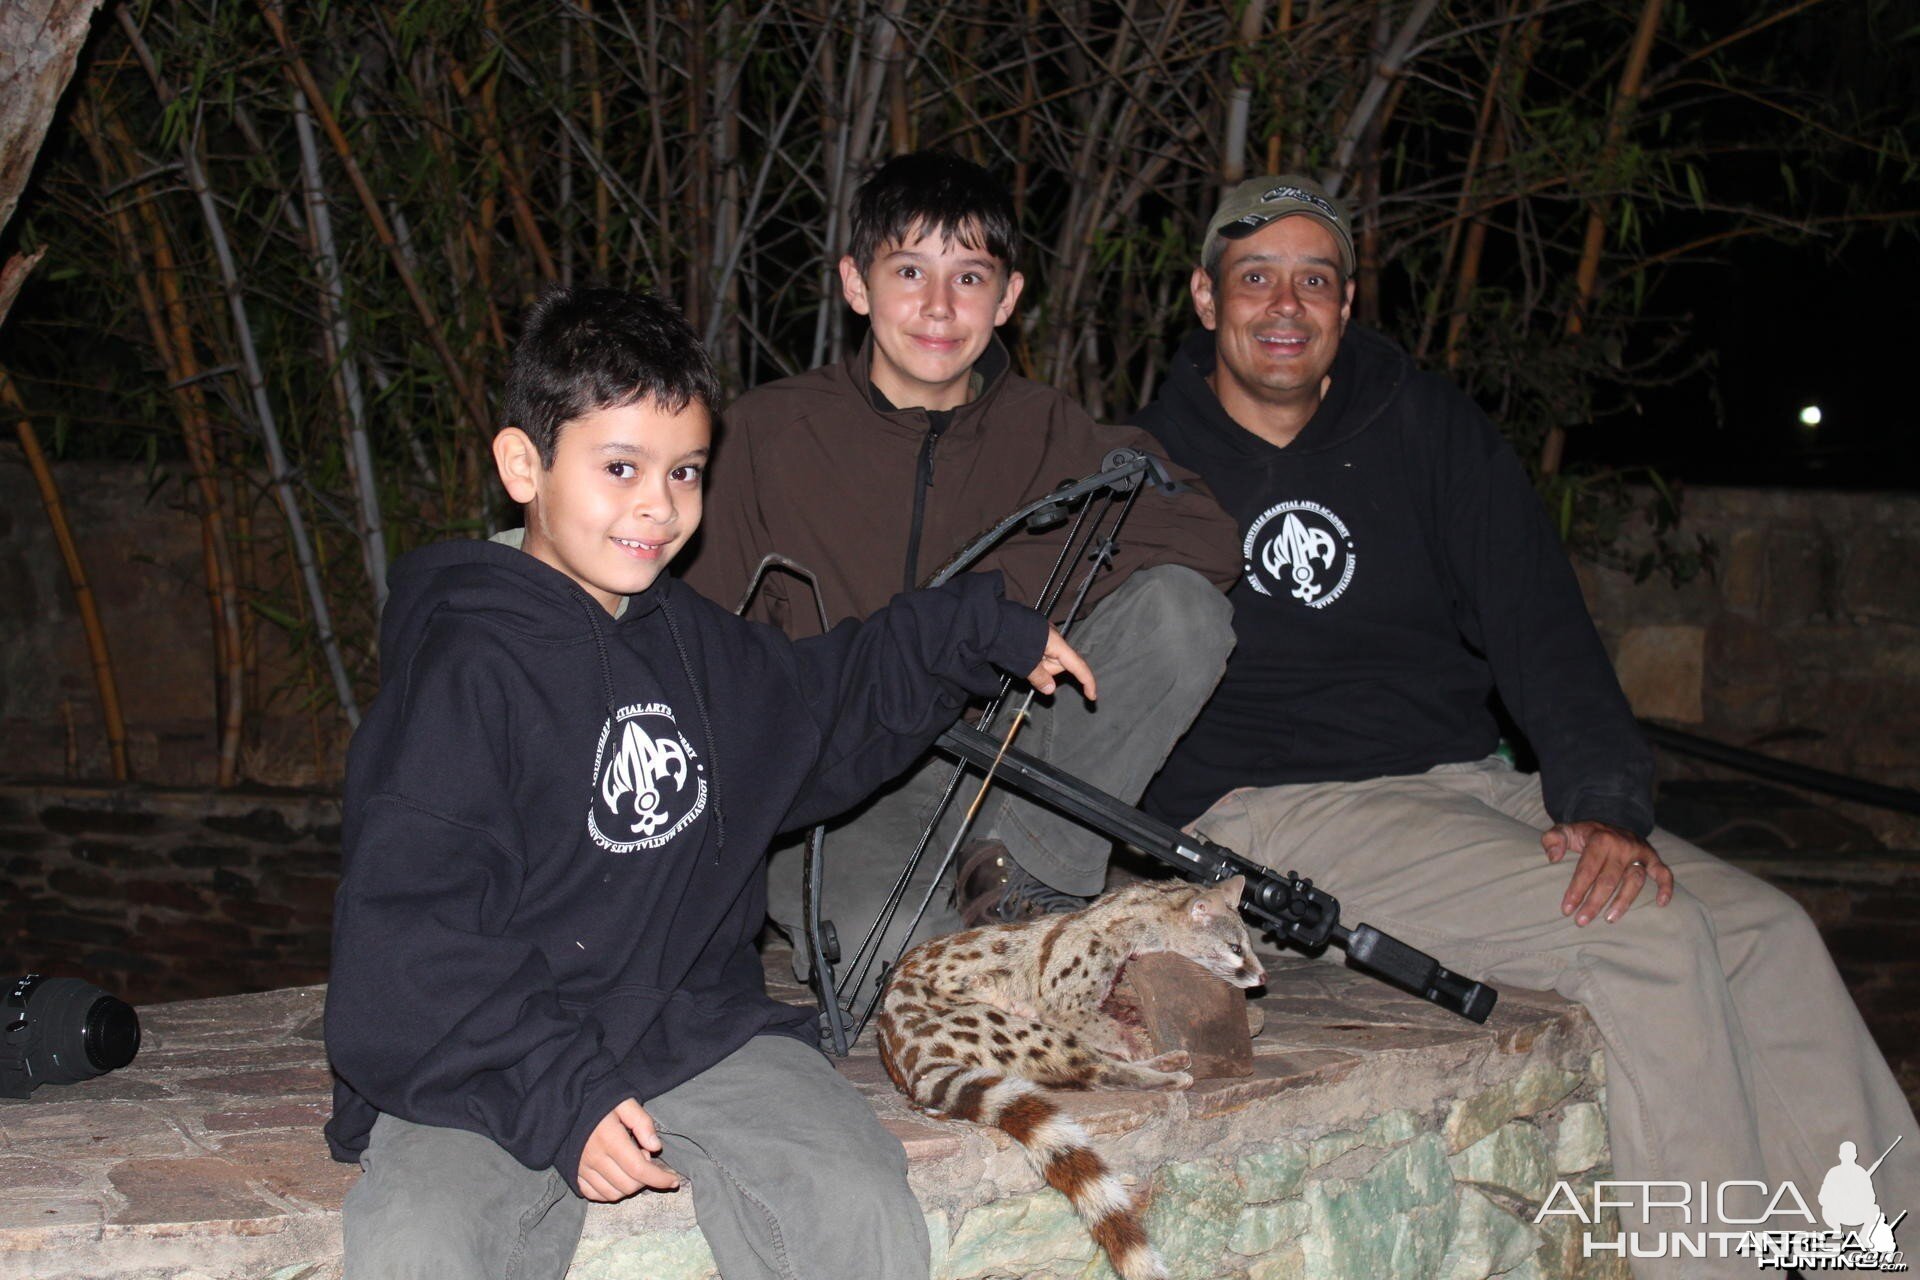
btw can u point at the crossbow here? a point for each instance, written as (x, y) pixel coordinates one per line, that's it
(1287, 906)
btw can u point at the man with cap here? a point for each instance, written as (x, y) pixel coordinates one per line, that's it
(1398, 571)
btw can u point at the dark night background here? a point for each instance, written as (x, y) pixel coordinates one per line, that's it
(1816, 319)
(1790, 326)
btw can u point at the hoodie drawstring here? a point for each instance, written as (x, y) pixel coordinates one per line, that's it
(594, 614)
(706, 726)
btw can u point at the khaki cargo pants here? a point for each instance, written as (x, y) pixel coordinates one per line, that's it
(1733, 1050)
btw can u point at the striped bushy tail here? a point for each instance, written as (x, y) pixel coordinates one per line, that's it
(1057, 1148)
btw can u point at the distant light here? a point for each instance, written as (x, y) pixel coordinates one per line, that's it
(1810, 416)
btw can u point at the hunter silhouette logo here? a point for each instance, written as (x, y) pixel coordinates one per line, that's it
(1851, 1210)
(649, 782)
(1300, 548)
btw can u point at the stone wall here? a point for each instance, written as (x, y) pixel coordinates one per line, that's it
(166, 895)
(1251, 1183)
(1377, 1139)
(141, 550)
(1803, 645)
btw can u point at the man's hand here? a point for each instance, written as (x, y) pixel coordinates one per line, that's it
(618, 1159)
(1614, 865)
(1060, 657)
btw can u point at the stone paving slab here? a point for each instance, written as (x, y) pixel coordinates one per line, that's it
(204, 1158)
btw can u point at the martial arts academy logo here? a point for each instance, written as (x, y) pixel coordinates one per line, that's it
(649, 783)
(1300, 548)
(1745, 1218)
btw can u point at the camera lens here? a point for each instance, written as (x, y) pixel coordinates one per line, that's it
(112, 1034)
(83, 1030)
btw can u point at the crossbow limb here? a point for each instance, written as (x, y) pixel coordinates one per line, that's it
(1292, 909)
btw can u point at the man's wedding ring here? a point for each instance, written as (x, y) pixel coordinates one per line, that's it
(1636, 863)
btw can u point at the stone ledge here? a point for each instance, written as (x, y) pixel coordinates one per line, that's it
(1377, 1137)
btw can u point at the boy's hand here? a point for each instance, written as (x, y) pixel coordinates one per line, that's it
(618, 1159)
(1058, 657)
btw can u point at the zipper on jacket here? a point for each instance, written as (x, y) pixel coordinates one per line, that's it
(923, 481)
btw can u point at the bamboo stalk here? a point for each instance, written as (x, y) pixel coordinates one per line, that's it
(168, 327)
(101, 660)
(597, 120)
(1483, 121)
(1587, 274)
(246, 563)
(1233, 165)
(491, 149)
(279, 471)
(726, 282)
(835, 128)
(1386, 69)
(337, 335)
(1276, 141)
(566, 213)
(1476, 240)
(302, 75)
(1023, 145)
(723, 143)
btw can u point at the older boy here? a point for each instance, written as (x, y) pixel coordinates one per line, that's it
(544, 977)
(873, 471)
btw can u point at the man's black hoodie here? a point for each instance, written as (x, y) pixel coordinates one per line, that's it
(556, 823)
(1397, 568)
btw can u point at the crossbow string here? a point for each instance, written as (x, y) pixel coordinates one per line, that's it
(1288, 906)
(1112, 491)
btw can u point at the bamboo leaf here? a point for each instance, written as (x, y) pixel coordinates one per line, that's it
(277, 616)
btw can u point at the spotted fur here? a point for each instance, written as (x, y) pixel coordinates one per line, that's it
(978, 1025)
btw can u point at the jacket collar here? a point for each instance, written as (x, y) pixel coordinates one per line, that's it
(990, 373)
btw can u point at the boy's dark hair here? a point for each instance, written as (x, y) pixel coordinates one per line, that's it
(936, 194)
(584, 350)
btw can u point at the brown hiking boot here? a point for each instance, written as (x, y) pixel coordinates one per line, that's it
(991, 888)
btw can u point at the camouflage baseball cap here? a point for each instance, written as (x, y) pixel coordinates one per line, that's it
(1258, 201)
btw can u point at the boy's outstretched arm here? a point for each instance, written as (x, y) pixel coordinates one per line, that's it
(881, 690)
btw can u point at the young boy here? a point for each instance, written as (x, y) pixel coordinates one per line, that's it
(544, 974)
(873, 471)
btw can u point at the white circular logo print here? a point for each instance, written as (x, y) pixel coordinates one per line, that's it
(648, 782)
(1299, 549)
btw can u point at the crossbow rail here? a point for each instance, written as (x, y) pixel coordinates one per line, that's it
(1291, 908)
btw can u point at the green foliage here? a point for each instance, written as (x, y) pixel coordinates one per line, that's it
(693, 136)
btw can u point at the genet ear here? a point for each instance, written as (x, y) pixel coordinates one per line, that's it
(853, 286)
(1223, 900)
(517, 460)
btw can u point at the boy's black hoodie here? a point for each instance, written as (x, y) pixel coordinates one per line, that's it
(1398, 567)
(556, 823)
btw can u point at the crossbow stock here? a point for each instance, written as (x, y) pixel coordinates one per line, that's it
(1290, 908)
